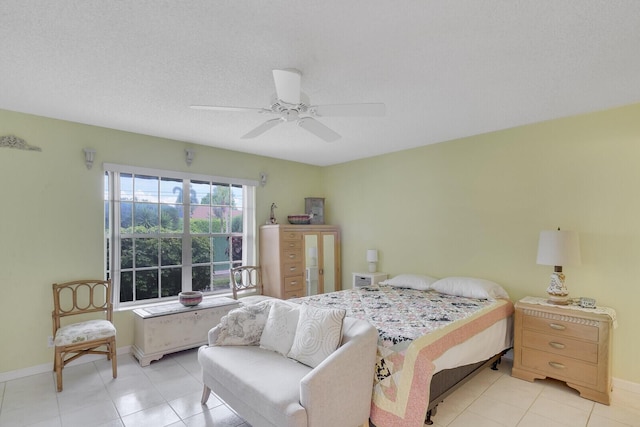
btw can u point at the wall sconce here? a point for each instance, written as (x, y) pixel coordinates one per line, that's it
(189, 155)
(372, 259)
(89, 155)
(263, 179)
(558, 248)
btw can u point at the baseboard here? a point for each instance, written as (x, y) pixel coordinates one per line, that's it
(48, 367)
(625, 385)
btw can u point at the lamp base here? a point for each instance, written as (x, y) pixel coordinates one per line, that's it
(373, 266)
(558, 300)
(557, 290)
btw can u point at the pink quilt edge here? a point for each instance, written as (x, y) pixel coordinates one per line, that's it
(416, 407)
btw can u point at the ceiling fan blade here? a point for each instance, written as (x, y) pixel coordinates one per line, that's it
(348, 110)
(288, 85)
(318, 129)
(262, 128)
(233, 109)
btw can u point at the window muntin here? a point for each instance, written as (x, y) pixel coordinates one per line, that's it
(167, 242)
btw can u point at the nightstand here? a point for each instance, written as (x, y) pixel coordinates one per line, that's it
(367, 279)
(567, 343)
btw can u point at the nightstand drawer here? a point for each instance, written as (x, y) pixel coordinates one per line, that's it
(560, 367)
(559, 327)
(582, 350)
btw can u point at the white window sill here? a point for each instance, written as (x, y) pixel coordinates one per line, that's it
(166, 302)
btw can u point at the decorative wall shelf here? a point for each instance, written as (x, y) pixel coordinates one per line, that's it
(12, 141)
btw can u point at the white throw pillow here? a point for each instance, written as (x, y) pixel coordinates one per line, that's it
(280, 330)
(244, 325)
(318, 334)
(470, 287)
(413, 281)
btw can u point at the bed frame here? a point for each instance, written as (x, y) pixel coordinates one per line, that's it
(447, 381)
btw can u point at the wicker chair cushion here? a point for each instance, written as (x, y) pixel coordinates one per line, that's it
(84, 331)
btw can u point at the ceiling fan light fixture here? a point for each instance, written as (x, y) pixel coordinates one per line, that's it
(290, 104)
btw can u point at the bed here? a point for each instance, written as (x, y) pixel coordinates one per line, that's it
(430, 341)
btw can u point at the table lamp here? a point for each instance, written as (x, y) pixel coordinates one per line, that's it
(558, 248)
(372, 259)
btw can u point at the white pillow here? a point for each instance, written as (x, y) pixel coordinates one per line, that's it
(280, 330)
(318, 334)
(470, 287)
(413, 281)
(244, 325)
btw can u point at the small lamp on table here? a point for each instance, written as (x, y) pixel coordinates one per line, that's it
(372, 259)
(558, 248)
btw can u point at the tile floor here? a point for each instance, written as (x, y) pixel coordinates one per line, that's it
(167, 393)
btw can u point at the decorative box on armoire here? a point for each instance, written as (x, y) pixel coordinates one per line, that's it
(299, 260)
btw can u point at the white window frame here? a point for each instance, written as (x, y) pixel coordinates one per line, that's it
(249, 243)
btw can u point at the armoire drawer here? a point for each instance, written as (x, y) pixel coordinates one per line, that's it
(289, 255)
(291, 235)
(292, 244)
(293, 283)
(292, 268)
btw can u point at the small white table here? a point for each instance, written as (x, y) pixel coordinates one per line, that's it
(367, 279)
(167, 328)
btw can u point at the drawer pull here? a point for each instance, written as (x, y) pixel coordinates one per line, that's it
(293, 282)
(557, 365)
(557, 345)
(557, 327)
(293, 268)
(292, 256)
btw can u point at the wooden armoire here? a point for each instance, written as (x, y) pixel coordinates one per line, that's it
(298, 260)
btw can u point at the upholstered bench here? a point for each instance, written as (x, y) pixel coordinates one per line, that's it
(265, 381)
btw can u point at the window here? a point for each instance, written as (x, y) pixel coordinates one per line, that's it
(167, 232)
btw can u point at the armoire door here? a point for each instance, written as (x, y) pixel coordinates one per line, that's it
(322, 262)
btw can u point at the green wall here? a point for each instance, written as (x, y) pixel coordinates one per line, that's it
(475, 206)
(51, 226)
(472, 206)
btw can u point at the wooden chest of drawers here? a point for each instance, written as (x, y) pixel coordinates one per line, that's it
(567, 344)
(284, 257)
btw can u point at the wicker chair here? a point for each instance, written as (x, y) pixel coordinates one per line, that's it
(246, 278)
(72, 340)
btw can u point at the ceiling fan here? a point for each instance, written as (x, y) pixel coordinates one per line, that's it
(291, 105)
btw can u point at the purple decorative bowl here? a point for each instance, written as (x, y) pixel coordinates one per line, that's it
(190, 298)
(299, 219)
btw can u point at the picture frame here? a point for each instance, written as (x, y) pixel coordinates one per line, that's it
(315, 206)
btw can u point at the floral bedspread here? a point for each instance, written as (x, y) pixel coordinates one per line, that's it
(414, 328)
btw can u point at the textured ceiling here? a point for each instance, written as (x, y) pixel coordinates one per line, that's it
(444, 69)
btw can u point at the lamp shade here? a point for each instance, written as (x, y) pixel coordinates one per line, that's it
(557, 247)
(372, 255)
